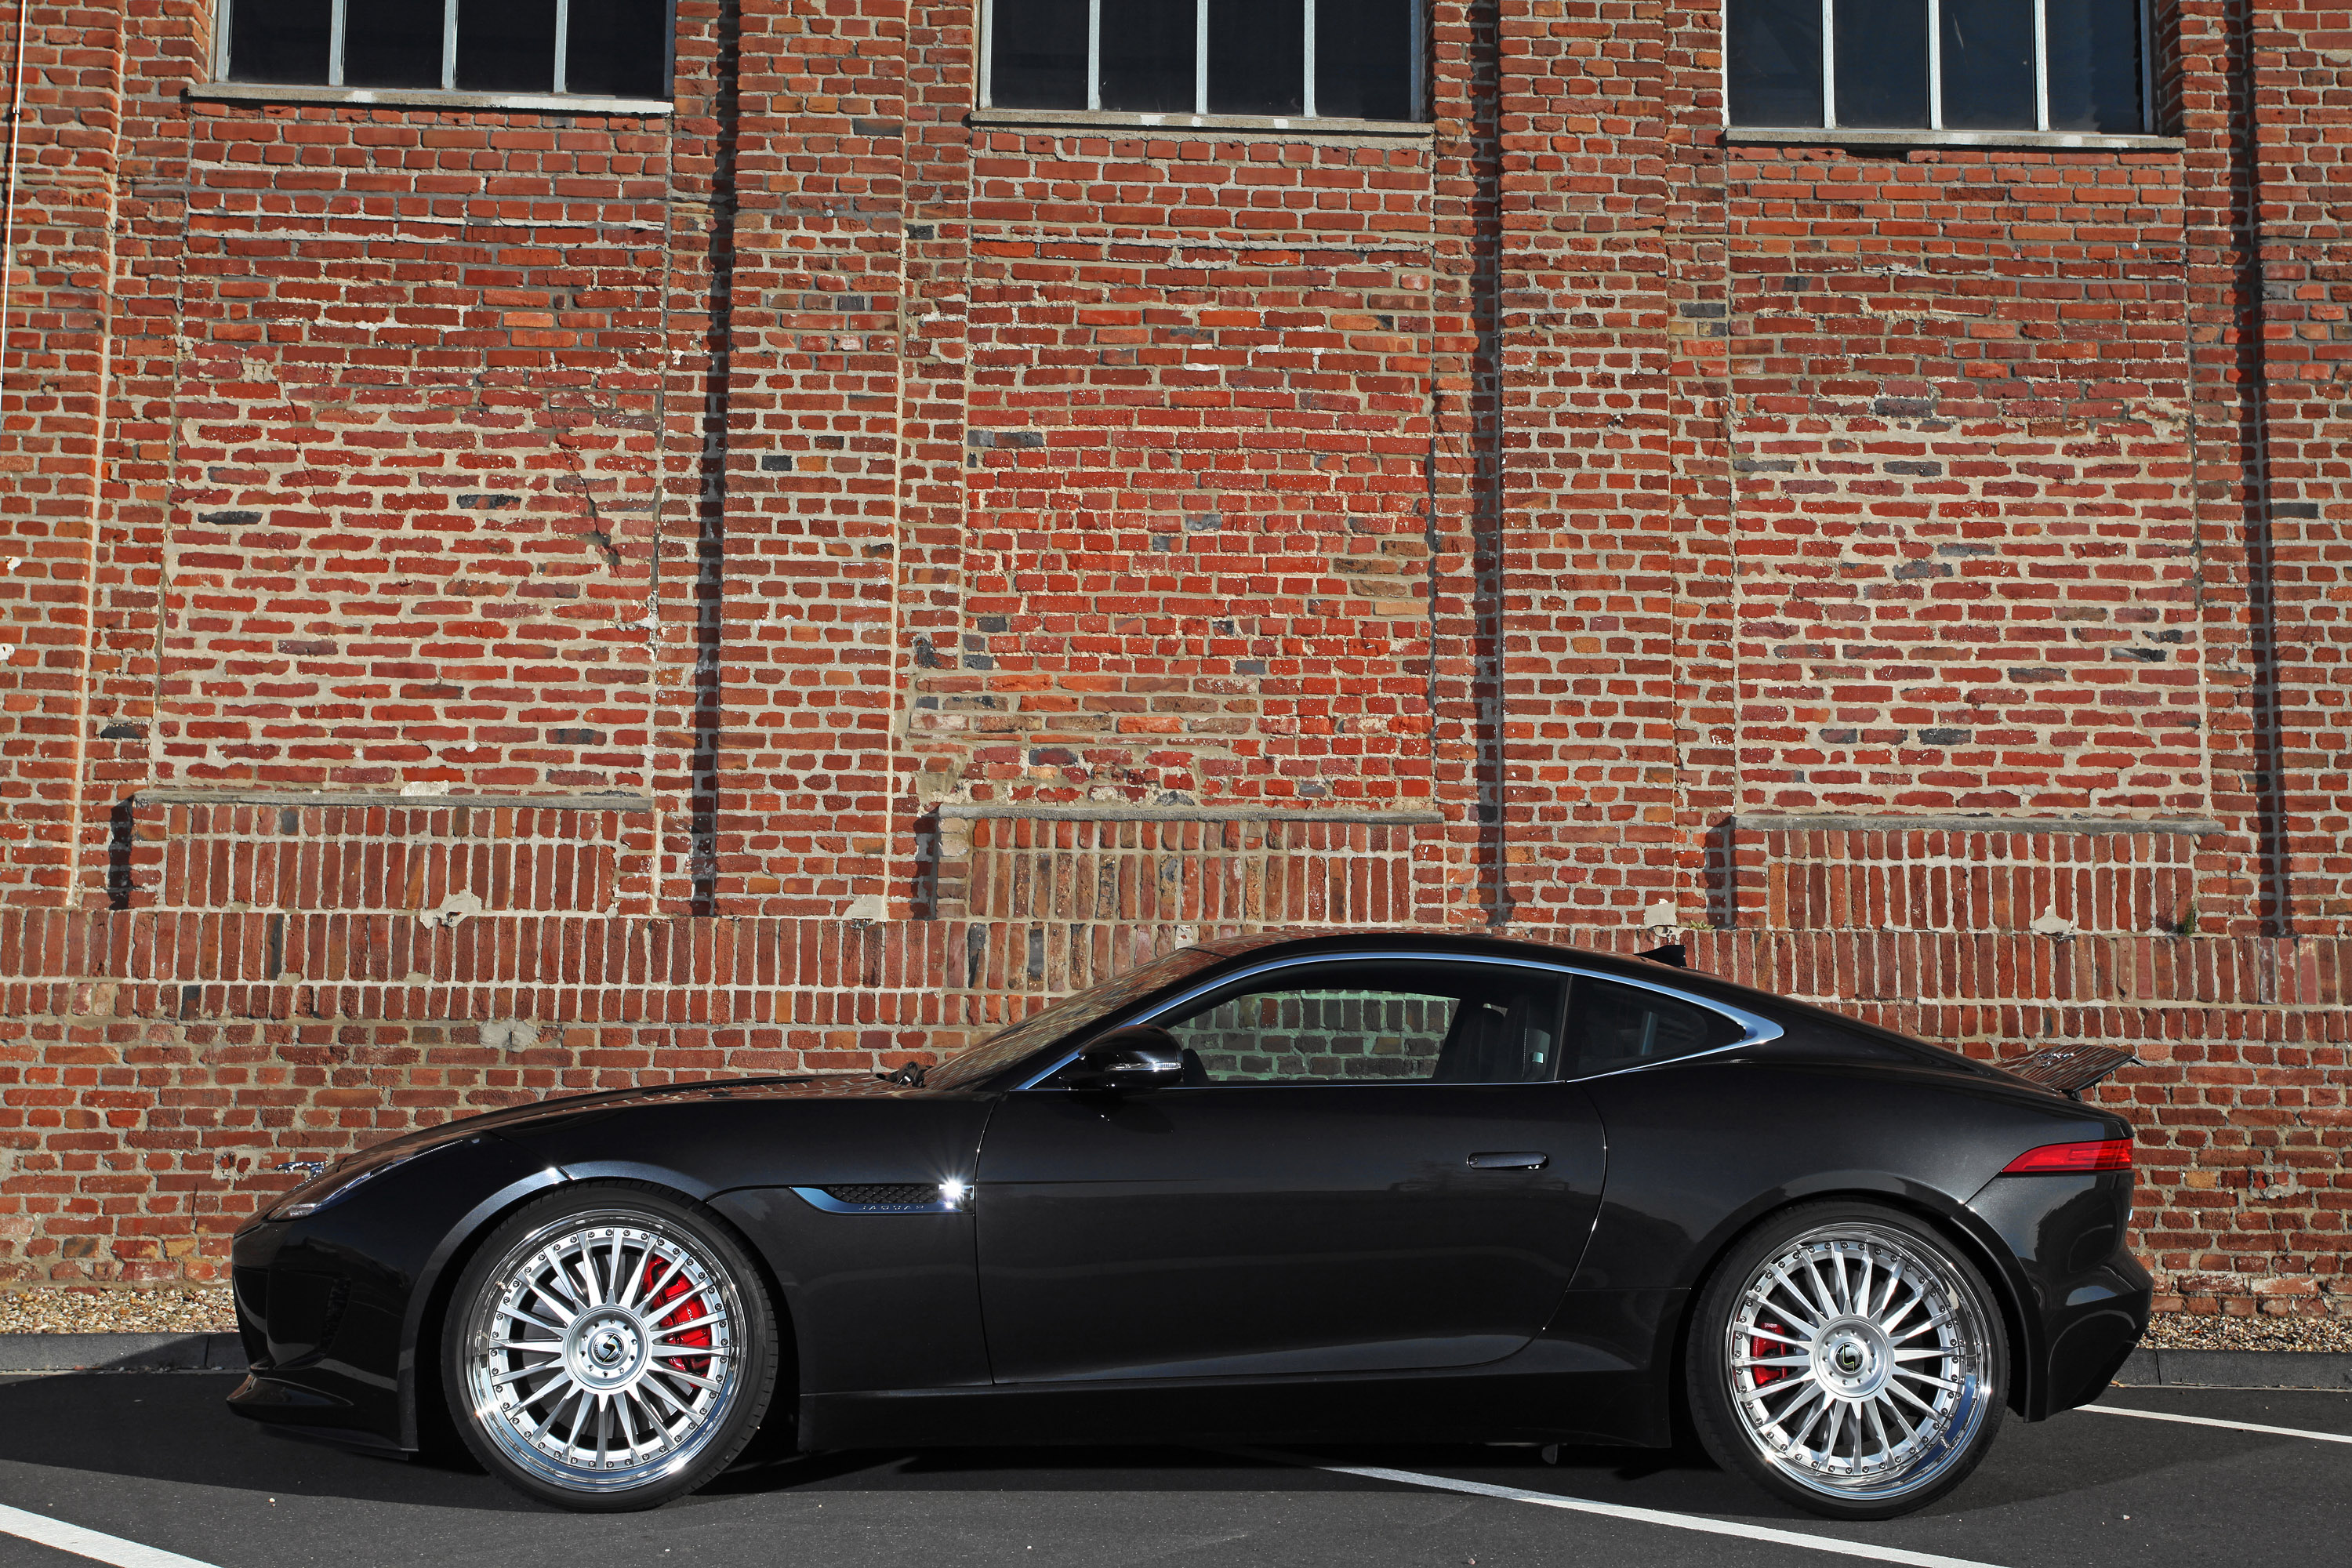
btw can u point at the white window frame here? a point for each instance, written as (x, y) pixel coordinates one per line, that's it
(2040, 125)
(1415, 89)
(223, 30)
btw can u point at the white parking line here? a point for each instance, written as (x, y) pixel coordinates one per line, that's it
(1699, 1522)
(82, 1543)
(2210, 1421)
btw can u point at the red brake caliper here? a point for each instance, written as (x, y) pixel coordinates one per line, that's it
(686, 1313)
(1762, 1348)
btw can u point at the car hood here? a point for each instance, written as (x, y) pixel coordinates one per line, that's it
(518, 1118)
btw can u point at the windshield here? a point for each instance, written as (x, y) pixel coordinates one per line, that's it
(1068, 1015)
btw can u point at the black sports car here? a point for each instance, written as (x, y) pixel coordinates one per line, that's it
(1364, 1185)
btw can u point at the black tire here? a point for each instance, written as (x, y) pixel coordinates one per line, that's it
(1808, 1351)
(643, 1351)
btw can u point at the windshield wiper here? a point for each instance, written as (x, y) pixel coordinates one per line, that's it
(909, 1073)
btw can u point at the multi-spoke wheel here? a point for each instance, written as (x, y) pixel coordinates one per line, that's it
(1848, 1359)
(609, 1349)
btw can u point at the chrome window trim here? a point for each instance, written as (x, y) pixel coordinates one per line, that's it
(1755, 1028)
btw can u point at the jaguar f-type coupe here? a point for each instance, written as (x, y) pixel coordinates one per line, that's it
(1361, 1187)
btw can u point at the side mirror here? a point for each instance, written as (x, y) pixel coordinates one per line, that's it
(1142, 1056)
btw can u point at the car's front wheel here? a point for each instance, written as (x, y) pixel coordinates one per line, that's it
(609, 1348)
(1848, 1359)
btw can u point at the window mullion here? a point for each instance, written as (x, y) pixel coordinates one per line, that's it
(1414, 86)
(1307, 90)
(2041, 67)
(335, 43)
(449, 46)
(1200, 57)
(563, 39)
(1935, 64)
(987, 52)
(2146, 76)
(1093, 54)
(1829, 63)
(225, 22)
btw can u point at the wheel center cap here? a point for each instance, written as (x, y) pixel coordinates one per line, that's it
(607, 1348)
(1852, 1357)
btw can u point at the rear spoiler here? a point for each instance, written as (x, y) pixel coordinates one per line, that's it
(2071, 1070)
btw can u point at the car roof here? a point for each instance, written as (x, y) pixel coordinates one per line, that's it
(1768, 1004)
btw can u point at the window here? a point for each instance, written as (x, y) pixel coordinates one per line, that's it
(604, 48)
(1356, 59)
(1066, 1017)
(1387, 1023)
(1611, 1027)
(1937, 65)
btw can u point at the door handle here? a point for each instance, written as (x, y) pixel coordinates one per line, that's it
(1529, 1160)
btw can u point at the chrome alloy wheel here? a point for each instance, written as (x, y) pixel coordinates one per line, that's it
(1857, 1362)
(601, 1353)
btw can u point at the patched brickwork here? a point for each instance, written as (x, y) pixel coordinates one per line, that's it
(503, 602)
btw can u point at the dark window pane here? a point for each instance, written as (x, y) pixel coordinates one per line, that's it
(278, 40)
(1988, 64)
(2093, 66)
(1148, 48)
(1037, 54)
(1384, 1023)
(1611, 1027)
(618, 48)
(506, 46)
(1363, 59)
(1257, 56)
(1772, 51)
(1882, 63)
(391, 43)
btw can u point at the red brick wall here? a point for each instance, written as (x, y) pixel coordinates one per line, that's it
(501, 603)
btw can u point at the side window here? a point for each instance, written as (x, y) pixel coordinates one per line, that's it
(1374, 1024)
(1611, 1027)
(618, 48)
(1352, 59)
(1942, 65)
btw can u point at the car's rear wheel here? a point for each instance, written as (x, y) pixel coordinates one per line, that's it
(609, 1348)
(1848, 1359)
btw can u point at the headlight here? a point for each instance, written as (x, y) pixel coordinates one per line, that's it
(338, 1183)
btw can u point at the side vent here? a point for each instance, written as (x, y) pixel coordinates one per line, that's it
(888, 1197)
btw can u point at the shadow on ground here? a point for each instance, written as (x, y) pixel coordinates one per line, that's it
(176, 1427)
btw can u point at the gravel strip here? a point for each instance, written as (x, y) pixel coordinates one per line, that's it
(206, 1310)
(201, 1310)
(2182, 1331)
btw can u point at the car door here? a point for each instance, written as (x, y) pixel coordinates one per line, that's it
(1370, 1167)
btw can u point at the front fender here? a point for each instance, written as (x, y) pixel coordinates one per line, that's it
(343, 1293)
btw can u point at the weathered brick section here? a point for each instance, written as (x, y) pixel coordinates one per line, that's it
(790, 584)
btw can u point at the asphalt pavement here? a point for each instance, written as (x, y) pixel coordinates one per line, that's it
(154, 1461)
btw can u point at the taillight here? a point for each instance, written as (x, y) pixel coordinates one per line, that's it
(2072, 1159)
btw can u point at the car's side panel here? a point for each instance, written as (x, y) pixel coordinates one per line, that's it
(361, 1276)
(2082, 1282)
(874, 1301)
(1700, 1150)
(1245, 1230)
(1550, 1391)
(714, 1142)
(877, 1300)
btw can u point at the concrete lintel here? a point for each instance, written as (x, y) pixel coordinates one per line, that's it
(428, 98)
(1963, 822)
(1859, 136)
(234, 795)
(1262, 127)
(1191, 814)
